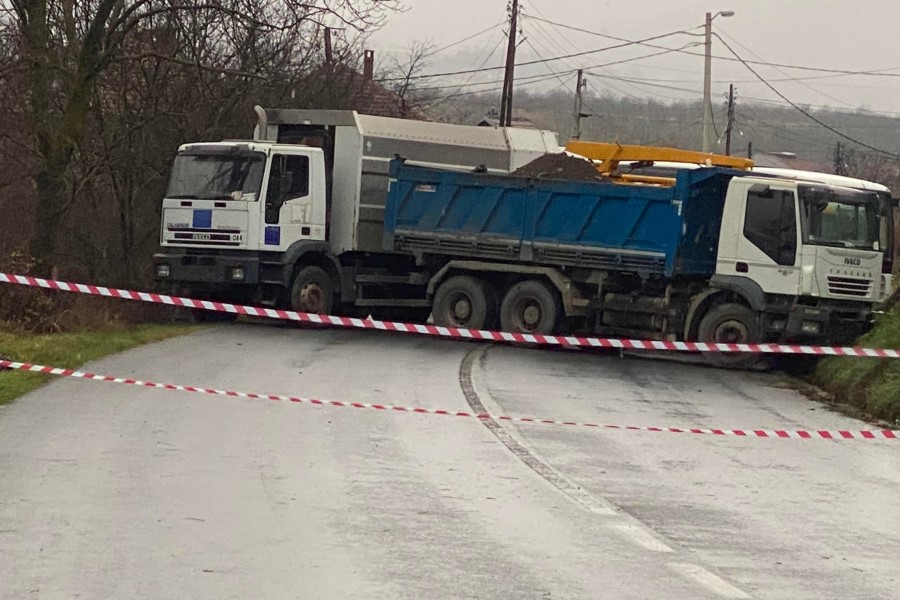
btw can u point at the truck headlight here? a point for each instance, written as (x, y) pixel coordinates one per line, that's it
(163, 271)
(237, 273)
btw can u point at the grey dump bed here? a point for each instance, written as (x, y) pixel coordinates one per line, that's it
(359, 149)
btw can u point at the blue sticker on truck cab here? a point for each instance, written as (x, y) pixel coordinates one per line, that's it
(202, 219)
(273, 236)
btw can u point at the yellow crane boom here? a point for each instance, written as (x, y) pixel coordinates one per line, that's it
(608, 156)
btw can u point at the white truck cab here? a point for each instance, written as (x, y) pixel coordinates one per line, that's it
(215, 191)
(822, 240)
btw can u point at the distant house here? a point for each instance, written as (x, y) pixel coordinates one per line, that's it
(372, 98)
(348, 89)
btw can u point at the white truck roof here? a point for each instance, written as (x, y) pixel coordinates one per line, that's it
(796, 174)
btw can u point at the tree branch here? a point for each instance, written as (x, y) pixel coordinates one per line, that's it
(189, 63)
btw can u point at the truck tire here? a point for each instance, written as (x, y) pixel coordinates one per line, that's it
(731, 324)
(464, 302)
(312, 291)
(530, 306)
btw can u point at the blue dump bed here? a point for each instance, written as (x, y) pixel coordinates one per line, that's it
(650, 230)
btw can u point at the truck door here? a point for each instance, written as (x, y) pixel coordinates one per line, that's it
(767, 243)
(289, 211)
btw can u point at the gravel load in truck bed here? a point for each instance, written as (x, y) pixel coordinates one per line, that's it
(559, 166)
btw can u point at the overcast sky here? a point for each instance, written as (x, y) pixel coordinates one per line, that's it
(857, 35)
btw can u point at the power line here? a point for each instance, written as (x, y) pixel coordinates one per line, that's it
(865, 113)
(538, 54)
(873, 73)
(808, 115)
(555, 58)
(467, 83)
(809, 145)
(641, 82)
(612, 87)
(781, 130)
(553, 41)
(806, 85)
(541, 79)
(528, 79)
(464, 40)
(636, 58)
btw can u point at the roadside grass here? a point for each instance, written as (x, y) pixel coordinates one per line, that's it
(869, 384)
(71, 350)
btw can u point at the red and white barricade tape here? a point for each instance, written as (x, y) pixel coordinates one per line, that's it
(839, 434)
(450, 332)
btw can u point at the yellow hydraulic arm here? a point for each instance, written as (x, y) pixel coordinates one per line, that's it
(608, 157)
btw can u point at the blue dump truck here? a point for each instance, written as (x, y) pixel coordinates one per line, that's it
(315, 214)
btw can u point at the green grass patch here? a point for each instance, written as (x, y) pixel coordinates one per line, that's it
(870, 384)
(70, 350)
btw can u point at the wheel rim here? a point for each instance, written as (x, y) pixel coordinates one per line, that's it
(462, 308)
(732, 331)
(312, 298)
(528, 314)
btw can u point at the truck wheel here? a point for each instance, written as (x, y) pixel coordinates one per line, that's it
(464, 302)
(530, 306)
(312, 291)
(730, 324)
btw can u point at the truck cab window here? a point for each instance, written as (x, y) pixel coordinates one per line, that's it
(771, 223)
(288, 180)
(841, 218)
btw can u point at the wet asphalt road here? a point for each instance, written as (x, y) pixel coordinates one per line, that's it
(116, 491)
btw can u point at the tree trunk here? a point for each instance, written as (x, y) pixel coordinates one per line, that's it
(51, 190)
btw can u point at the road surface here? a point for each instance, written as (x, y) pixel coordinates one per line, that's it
(111, 491)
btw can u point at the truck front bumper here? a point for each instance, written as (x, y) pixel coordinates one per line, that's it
(826, 321)
(210, 269)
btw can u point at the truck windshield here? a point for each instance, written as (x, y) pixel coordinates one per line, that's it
(217, 177)
(840, 217)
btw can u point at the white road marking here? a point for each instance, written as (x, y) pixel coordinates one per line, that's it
(712, 582)
(640, 536)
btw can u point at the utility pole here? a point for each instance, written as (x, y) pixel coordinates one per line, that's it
(730, 126)
(509, 74)
(839, 164)
(579, 101)
(707, 75)
(329, 51)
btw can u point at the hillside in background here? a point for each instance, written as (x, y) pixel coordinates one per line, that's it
(770, 129)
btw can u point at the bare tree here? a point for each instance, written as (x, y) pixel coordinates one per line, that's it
(400, 76)
(71, 51)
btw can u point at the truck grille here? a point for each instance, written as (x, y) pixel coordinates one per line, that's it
(204, 237)
(849, 286)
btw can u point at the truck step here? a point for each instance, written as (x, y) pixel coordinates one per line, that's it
(414, 302)
(411, 279)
